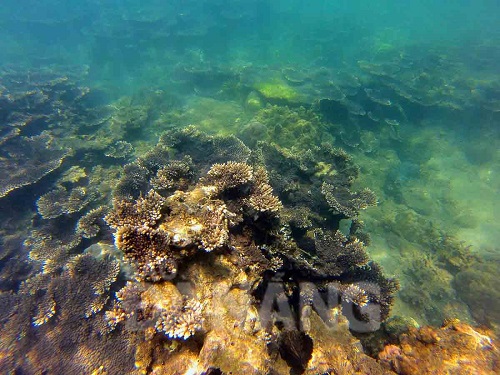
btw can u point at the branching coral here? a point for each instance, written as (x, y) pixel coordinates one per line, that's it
(181, 321)
(60, 201)
(145, 211)
(223, 233)
(148, 249)
(90, 224)
(52, 251)
(343, 201)
(262, 198)
(336, 254)
(228, 176)
(159, 306)
(175, 174)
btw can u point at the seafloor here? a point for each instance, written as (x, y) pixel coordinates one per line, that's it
(198, 211)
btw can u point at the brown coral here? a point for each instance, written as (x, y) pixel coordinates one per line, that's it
(337, 254)
(181, 321)
(90, 224)
(343, 201)
(175, 174)
(262, 198)
(148, 249)
(145, 211)
(60, 201)
(228, 176)
(24, 161)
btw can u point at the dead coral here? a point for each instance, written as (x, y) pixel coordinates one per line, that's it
(160, 306)
(455, 348)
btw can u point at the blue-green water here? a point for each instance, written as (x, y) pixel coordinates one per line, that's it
(411, 90)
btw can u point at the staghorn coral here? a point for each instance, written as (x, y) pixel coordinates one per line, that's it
(60, 201)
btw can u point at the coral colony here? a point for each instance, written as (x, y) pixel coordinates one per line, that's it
(212, 254)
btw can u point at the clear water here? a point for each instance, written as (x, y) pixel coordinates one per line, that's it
(410, 89)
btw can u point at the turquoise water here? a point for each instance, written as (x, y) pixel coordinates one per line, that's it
(410, 90)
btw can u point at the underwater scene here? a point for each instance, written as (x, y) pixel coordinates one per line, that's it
(249, 187)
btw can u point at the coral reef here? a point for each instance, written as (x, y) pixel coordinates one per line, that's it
(342, 201)
(157, 232)
(119, 150)
(91, 223)
(25, 160)
(62, 202)
(51, 315)
(201, 254)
